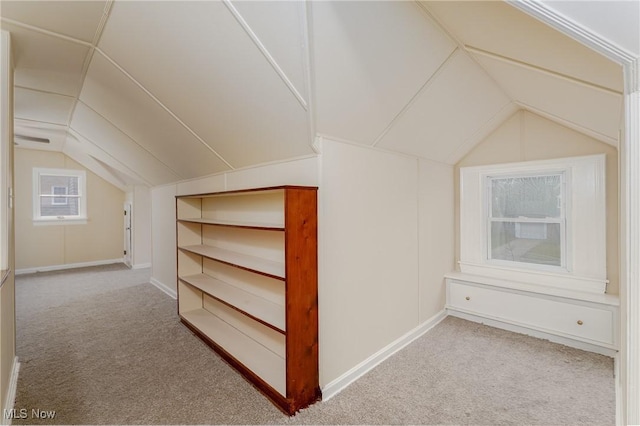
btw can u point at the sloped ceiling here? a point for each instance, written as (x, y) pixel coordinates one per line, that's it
(155, 92)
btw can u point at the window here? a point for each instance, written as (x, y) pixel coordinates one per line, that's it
(527, 220)
(59, 196)
(541, 223)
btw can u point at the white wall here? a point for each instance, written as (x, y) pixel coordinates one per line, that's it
(38, 246)
(141, 216)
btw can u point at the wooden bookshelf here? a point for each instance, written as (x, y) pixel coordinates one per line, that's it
(247, 285)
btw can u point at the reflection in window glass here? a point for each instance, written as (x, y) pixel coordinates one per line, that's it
(538, 243)
(531, 196)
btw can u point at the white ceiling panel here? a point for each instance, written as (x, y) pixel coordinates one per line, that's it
(285, 42)
(109, 143)
(77, 19)
(622, 25)
(371, 58)
(74, 149)
(455, 105)
(592, 108)
(497, 27)
(114, 96)
(40, 106)
(198, 61)
(45, 62)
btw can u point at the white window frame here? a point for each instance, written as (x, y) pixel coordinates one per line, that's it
(585, 263)
(80, 218)
(565, 225)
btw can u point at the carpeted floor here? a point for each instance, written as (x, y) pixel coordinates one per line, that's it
(102, 346)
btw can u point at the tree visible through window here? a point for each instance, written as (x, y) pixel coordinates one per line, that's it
(59, 194)
(526, 220)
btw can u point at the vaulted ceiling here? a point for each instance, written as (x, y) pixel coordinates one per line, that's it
(155, 92)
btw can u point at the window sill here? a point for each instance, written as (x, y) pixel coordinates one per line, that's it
(67, 221)
(604, 299)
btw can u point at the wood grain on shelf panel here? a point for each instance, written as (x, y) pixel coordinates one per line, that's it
(266, 336)
(266, 364)
(278, 399)
(245, 225)
(267, 312)
(258, 265)
(302, 296)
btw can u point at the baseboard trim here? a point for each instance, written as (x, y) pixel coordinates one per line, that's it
(11, 392)
(516, 328)
(165, 288)
(67, 266)
(339, 384)
(619, 394)
(141, 266)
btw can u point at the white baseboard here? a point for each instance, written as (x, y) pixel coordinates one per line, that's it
(585, 346)
(141, 266)
(68, 266)
(165, 288)
(337, 385)
(10, 400)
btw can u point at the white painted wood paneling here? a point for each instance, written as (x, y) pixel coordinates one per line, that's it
(163, 235)
(198, 61)
(285, 42)
(77, 19)
(45, 62)
(594, 109)
(114, 96)
(499, 28)
(369, 251)
(108, 141)
(56, 133)
(458, 102)
(39, 106)
(371, 58)
(436, 233)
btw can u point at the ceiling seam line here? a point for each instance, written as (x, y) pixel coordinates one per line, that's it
(46, 32)
(40, 121)
(546, 71)
(46, 92)
(103, 22)
(308, 66)
(132, 139)
(506, 111)
(415, 97)
(72, 131)
(449, 34)
(379, 149)
(262, 48)
(568, 123)
(163, 106)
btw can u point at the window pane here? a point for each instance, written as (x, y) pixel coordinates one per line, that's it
(49, 208)
(48, 183)
(531, 197)
(537, 243)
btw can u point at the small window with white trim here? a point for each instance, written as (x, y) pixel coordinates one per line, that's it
(526, 220)
(59, 196)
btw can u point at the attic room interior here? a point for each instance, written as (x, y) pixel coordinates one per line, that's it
(322, 201)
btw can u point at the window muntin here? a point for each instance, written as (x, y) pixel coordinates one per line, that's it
(527, 220)
(59, 195)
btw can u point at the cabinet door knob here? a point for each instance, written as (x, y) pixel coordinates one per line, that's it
(467, 298)
(580, 322)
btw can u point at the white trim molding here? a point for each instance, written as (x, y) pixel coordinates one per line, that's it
(141, 265)
(67, 266)
(10, 400)
(336, 386)
(164, 288)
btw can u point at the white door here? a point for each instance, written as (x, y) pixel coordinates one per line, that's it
(127, 234)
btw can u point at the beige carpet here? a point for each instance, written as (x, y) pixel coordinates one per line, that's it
(102, 346)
